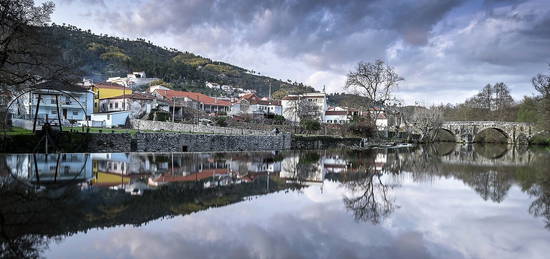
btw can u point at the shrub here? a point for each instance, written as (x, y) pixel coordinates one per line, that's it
(310, 125)
(360, 128)
(220, 121)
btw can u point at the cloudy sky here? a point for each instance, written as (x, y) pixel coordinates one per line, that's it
(445, 49)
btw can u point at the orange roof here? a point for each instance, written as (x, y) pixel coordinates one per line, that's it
(202, 98)
(336, 113)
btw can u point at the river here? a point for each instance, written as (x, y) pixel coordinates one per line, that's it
(438, 201)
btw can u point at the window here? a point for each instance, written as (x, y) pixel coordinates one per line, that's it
(111, 105)
(75, 113)
(108, 116)
(116, 105)
(52, 101)
(329, 121)
(54, 111)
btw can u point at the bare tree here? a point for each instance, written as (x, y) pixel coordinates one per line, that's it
(542, 84)
(375, 81)
(427, 122)
(303, 109)
(24, 57)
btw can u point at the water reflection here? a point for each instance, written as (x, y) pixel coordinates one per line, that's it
(46, 198)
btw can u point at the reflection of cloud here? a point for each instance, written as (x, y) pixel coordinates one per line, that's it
(286, 236)
(441, 219)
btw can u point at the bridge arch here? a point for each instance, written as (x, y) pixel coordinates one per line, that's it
(441, 129)
(477, 138)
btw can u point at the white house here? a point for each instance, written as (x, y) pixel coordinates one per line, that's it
(254, 105)
(338, 115)
(291, 105)
(110, 119)
(55, 100)
(132, 80)
(137, 103)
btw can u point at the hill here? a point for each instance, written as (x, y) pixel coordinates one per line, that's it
(102, 56)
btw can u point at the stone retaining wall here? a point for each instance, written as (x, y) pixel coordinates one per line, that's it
(175, 142)
(322, 142)
(182, 127)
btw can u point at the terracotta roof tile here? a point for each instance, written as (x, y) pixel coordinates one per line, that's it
(204, 99)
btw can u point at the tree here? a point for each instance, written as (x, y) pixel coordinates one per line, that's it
(493, 102)
(542, 85)
(24, 59)
(310, 125)
(427, 121)
(279, 94)
(303, 109)
(375, 81)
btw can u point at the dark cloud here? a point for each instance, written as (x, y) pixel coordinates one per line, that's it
(444, 45)
(330, 31)
(87, 2)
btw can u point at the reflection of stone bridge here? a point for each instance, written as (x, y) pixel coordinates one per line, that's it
(492, 155)
(468, 131)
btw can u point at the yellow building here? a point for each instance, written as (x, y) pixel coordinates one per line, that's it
(106, 90)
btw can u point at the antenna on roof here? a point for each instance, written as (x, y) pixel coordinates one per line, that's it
(324, 88)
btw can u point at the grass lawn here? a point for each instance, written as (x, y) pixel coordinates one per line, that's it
(18, 131)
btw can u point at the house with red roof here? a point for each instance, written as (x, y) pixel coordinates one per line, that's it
(180, 99)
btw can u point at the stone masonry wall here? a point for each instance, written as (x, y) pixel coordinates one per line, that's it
(322, 142)
(181, 127)
(180, 142)
(175, 142)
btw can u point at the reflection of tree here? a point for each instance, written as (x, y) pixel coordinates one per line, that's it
(27, 246)
(373, 203)
(541, 205)
(370, 200)
(20, 210)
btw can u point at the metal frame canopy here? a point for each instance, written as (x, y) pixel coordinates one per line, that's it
(53, 87)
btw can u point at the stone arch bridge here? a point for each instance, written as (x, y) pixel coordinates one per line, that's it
(468, 131)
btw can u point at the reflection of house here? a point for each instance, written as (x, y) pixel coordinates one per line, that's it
(252, 104)
(75, 103)
(334, 164)
(50, 167)
(293, 170)
(292, 104)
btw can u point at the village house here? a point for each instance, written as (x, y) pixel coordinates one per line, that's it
(108, 90)
(338, 115)
(54, 101)
(133, 80)
(180, 99)
(254, 105)
(291, 105)
(137, 103)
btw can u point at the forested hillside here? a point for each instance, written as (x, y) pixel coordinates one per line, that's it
(102, 56)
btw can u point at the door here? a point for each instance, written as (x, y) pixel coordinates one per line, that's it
(65, 113)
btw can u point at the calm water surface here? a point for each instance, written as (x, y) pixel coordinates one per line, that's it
(442, 201)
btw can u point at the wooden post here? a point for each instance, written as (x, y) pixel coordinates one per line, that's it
(36, 113)
(58, 115)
